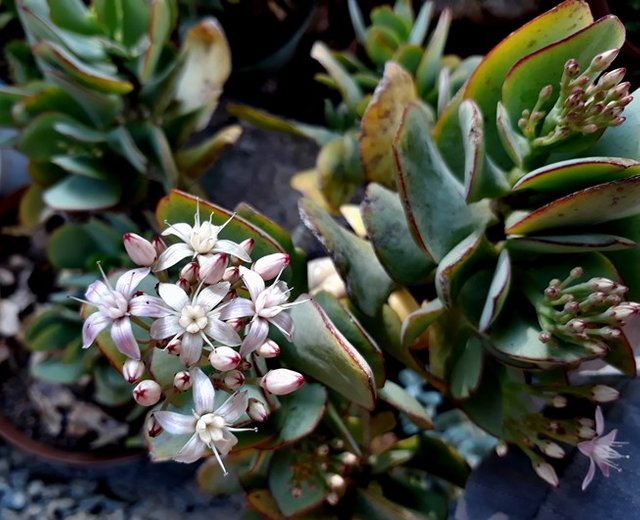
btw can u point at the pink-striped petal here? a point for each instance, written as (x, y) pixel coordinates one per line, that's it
(222, 332)
(258, 331)
(165, 327)
(193, 450)
(233, 407)
(150, 306)
(127, 283)
(176, 423)
(253, 282)
(93, 326)
(203, 392)
(237, 308)
(97, 292)
(284, 322)
(124, 339)
(212, 295)
(590, 474)
(231, 248)
(173, 296)
(172, 255)
(191, 349)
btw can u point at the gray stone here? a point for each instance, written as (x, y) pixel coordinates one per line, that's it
(15, 500)
(7, 514)
(19, 478)
(82, 488)
(59, 505)
(35, 488)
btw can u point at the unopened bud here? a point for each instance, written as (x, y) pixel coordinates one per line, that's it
(551, 449)
(544, 337)
(153, 427)
(212, 268)
(158, 244)
(281, 381)
(147, 392)
(231, 274)
(576, 325)
(224, 358)
(234, 379)
(174, 346)
(586, 432)
(603, 60)
(323, 450)
(269, 349)
(597, 347)
(348, 458)
(270, 266)
(587, 421)
(559, 401)
(140, 250)
(336, 482)
(604, 394)
(190, 272)
(236, 324)
(620, 91)
(248, 245)
(183, 284)
(182, 381)
(551, 293)
(502, 449)
(333, 499)
(546, 472)
(257, 411)
(572, 307)
(611, 78)
(132, 370)
(610, 333)
(571, 68)
(589, 129)
(602, 284)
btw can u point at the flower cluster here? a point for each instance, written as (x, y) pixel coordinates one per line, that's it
(588, 101)
(215, 317)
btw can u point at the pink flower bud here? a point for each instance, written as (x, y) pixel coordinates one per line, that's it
(234, 379)
(247, 245)
(257, 411)
(132, 370)
(158, 244)
(231, 275)
(502, 449)
(183, 284)
(140, 250)
(147, 392)
(281, 381)
(269, 349)
(546, 472)
(336, 482)
(236, 324)
(173, 347)
(559, 401)
(182, 381)
(552, 449)
(212, 268)
(224, 358)
(190, 272)
(604, 393)
(153, 427)
(270, 266)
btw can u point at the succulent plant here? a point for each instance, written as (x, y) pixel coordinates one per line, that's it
(513, 219)
(394, 34)
(103, 101)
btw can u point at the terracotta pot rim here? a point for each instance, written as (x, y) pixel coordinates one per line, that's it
(14, 436)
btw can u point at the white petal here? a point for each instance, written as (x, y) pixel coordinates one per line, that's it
(237, 308)
(258, 330)
(231, 248)
(284, 322)
(151, 306)
(228, 441)
(190, 349)
(93, 326)
(234, 407)
(182, 231)
(165, 327)
(172, 255)
(173, 296)
(128, 282)
(212, 295)
(191, 451)
(203, 392)
(124, 339)
(222, 332)
(599, 421)
(253, 282)
(97, 292)
(176, 423)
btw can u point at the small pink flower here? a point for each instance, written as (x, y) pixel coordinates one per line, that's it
(281, 381)
(601, 451)
(270, 266)
(147, 392)
(140, 250)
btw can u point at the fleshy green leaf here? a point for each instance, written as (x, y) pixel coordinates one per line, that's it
(418, 321)
(396, 396)
(349, 90)
(324, 353)
(195, 161)
(430, 65)
(467, 369)
(570, 243)
(433, 199)
(367, 282)
(162, 21)
(498, 291)
(613, 200)
(80, 193)
(389, 233)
